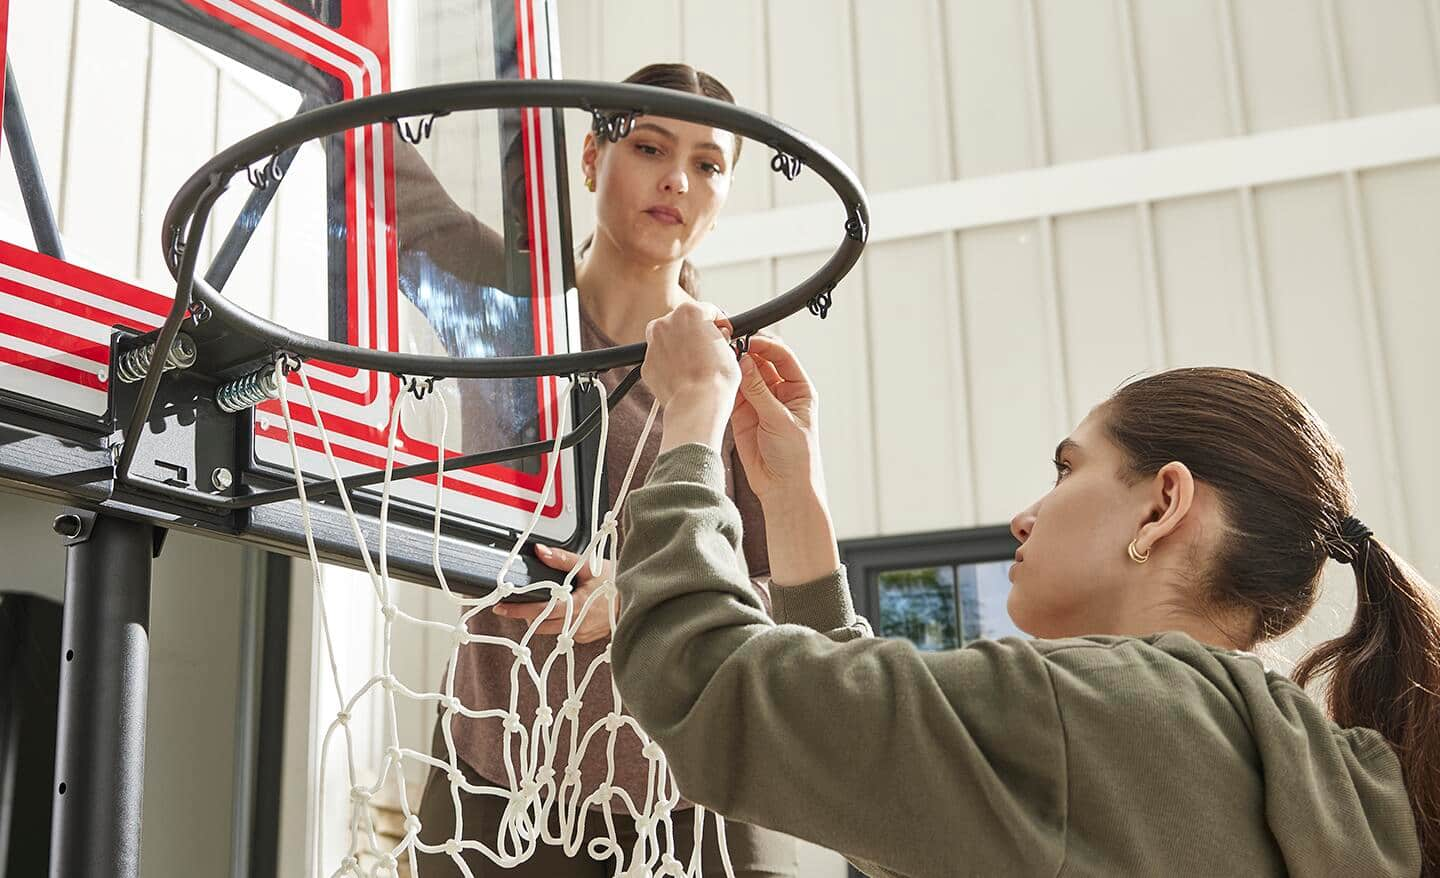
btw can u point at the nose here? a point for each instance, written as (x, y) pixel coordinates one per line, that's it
(1024, 522)
(675, 182)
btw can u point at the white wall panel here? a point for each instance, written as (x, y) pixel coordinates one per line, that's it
(1015, 383)
(1280, 50)
(1180, 58)
(1204, 284)
(1319, 350)
(1388, 57)
(103, 149)
(922, 453)
(1401, 208)
(812, 84)
(41, 65)
(904, 130)
(730, 45)
(1081, 64)
(636, 33)
(1104, 314)
(179, 77)
(836, 354)
(990, 91)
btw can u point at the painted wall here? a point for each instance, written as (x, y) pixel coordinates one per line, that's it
(971, 348)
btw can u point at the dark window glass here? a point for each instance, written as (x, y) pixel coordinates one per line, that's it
(919, 605)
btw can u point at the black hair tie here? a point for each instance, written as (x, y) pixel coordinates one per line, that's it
(1354, 536)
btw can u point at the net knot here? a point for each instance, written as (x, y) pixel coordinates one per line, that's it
(349, 864)
(455, 777)
(605, 791)
(393, 754)
(528, 790)
(359, 795)
(571, 708)
(544, 716)
(452, 847)
(342, 717)
(412, 825)
(572, 775)
(388, 682)
(520, 652)
(652, 751)
(513, 726)
(561, 591)
(613, 722)
(451, 703)
(546, 776)
(388, 611)
(460, 634)
(388, 863)
(564, 643)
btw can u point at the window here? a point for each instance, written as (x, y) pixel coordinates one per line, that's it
(938, 590)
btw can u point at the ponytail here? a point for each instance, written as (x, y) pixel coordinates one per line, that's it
(1385, 675)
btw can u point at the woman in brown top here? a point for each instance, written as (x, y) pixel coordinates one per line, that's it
(1191, 517)
(658, 194)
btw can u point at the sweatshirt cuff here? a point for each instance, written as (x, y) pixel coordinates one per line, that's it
(692, 462)
(822, 604)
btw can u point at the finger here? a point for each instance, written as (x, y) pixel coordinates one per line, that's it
(556, 559)
(769, 373)
(758, 393)
(525, 612)
(775, 351)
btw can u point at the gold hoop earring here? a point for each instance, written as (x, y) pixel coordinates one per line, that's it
(1135, 554)
(590, 183)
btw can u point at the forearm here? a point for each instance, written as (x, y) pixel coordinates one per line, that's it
(699, 417)
(800, 537)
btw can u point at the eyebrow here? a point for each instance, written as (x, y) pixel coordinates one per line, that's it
(1066, 445)
(670, 135)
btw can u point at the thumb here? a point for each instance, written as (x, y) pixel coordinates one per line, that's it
(758, 393)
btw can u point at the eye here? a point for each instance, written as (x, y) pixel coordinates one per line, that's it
(647, 149)
(711, 168)
(1062, 469)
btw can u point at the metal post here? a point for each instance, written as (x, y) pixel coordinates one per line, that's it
(104, 668)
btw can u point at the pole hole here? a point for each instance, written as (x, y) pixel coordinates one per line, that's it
(69, 655)
(62, 789)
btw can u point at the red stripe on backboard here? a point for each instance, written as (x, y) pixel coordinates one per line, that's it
(67, 306)
(64, 342)
(51, 368)
(84, 279)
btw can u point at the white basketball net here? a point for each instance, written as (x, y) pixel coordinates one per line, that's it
(542, 755)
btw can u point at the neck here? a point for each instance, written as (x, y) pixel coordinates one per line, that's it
(622, 295)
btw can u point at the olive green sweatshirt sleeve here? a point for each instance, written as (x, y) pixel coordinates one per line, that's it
(902, 761)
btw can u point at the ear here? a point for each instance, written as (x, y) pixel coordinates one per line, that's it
(589, 153)
(1171, 495)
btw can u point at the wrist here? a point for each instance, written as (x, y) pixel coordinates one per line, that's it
(698, 415)
(800, 537)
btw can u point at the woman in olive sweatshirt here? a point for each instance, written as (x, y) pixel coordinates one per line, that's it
(1192, 514)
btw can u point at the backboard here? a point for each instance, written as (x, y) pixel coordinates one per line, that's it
(457, 244)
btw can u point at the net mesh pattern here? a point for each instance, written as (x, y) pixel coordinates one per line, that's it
(542, 754)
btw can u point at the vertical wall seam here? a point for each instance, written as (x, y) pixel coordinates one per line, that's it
(1236, 106)
(943, 103)
(1155, 329)
(1049, 281)
(957, 353)
(867, 334)
(1432, 15)
(1378, 372)
(144, 173)
(769, 89)
(62, 187)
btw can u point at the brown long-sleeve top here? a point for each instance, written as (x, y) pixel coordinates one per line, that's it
(434, 230)
(1097, 756)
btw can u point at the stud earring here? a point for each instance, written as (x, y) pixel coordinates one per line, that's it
(590, 183)
(1136, 555)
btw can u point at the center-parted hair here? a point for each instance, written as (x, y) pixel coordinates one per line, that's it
(682, 77)
(1288, 506)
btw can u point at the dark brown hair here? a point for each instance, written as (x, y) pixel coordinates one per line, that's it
(682, 77)
(1286, 497)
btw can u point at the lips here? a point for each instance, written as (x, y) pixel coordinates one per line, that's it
(667, 215)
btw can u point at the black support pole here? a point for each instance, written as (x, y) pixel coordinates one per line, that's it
(27, 172)
(104, 668)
